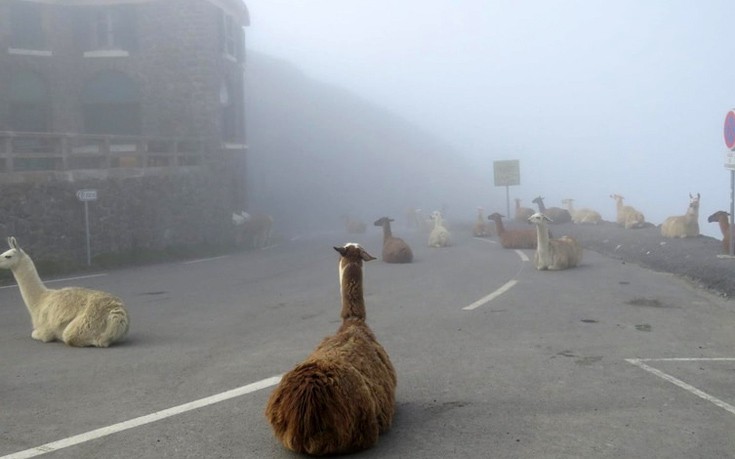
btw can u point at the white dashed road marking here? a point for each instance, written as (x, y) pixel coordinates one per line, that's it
(147, 419)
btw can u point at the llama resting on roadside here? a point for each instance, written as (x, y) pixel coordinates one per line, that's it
(584, 215)
(342, 397)
(555, 214)
(627, 216)
(515, 238)
(480, 229)
(554, 254)
(395, 249)
(722, 218)
(522, 213)
(77, 316)
(440, 235)
(686, 225)
(252, 230)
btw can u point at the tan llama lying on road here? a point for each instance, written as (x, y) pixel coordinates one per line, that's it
(342, 397)
(77, 316)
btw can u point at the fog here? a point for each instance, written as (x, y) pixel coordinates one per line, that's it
(593, 97)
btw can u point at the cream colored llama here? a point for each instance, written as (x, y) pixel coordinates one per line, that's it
(627, 216)
(553, 254)
(77, 316)
(342, 397)
(480, 229)
(686, 225)
(440, 235)
(583, 215)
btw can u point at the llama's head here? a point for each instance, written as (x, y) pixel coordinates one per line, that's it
(694, 201)
(717, 216)
(10, 258)
(495, 216)
(353, 252)
(617, 198)
(539, 219)
(538, 200)
(382, 221)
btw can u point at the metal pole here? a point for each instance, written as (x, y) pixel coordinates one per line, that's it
(86, 225)
(732, 210)
(507, 201)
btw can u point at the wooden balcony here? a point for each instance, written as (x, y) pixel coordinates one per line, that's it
(30, 151)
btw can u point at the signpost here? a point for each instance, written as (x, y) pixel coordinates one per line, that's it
(729, 133)
(507, 173)
(86, 196)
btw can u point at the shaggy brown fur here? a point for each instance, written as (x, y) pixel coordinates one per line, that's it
(722, 218)
(395, 249)
(513, 239)
(342, 397)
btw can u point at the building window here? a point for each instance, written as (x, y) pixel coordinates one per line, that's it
(231, 37)
(30, 105)
(111, 105)
(26, 26)
(228, 114)
(106, 28)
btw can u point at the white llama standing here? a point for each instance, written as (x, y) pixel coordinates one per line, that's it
(77, 316)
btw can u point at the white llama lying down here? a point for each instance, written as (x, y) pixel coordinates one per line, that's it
(440, 235)
(686, 225)
(77, 316)
(554, 254)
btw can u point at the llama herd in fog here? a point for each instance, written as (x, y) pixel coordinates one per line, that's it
(341, 397)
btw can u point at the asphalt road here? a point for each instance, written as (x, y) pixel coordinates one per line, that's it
(544, 369)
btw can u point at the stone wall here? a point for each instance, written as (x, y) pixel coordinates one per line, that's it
(144, 209)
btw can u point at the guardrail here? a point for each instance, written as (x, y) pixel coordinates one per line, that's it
(32, 151)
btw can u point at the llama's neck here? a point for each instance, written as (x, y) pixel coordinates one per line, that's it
(350, 284)
(437, 222)
(387, 234)
(541, 206)
(619, 204)
(499, 225)
(724, 225)
(479, 217)
(542, 239)
(518, 205)
(693, 212)
(30, 284)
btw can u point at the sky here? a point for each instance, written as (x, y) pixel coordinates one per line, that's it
(593, 97)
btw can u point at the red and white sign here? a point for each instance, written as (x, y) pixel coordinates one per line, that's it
(730, 130)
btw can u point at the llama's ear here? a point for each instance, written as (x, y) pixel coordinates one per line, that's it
(342, 250)
(366, 256)
(13, 243)
(548, 219)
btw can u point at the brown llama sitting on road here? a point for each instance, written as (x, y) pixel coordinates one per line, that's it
(723, 219)
(515, 238)
(342, 397)
(395, 249)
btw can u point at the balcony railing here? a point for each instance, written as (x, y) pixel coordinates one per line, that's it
(28, 151)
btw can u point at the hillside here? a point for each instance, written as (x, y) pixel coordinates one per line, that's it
(317, 152)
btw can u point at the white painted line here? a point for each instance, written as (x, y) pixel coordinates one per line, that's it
(523, 256)
(507, 286)
(147, 419)
(489, 241)
(677, 382)
(689, 359)
(63, 280)
(204, 259)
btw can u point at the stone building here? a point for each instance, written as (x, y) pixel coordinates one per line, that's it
(111, 94)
